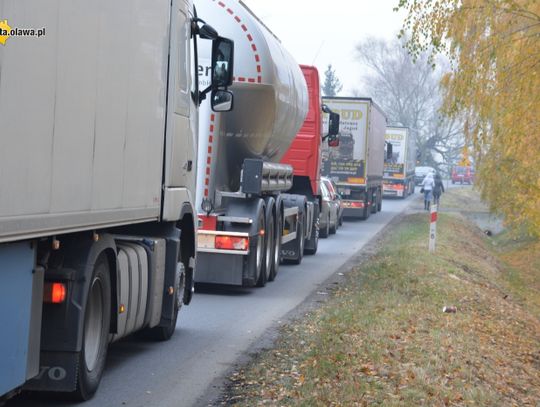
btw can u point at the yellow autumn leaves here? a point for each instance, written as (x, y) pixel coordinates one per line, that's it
(494, 46)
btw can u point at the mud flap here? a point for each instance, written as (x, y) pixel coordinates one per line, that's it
(291, 250)
(57, 373)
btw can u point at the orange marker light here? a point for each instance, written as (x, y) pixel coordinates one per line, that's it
(54, 293)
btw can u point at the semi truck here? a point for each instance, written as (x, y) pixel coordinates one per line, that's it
(98, 128)
(357, 165)
(399, 163)
(258, 187)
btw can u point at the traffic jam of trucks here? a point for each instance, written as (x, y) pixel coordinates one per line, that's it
(188, 147)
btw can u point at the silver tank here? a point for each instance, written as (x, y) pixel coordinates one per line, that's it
(270, 99)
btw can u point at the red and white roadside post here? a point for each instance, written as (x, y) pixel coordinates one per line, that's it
(433, 228)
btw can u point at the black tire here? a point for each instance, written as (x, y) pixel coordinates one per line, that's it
(97, 317)
(374, 202)
(379, 202)
(277, 244)
(341, 220)
(256, 258)
(333, 229)
(300, 239)
(367, 209)
(323, 233)
(164, 333)
(312, 244)
(266, 272)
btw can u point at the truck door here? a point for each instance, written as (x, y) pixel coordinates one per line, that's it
(181, 131)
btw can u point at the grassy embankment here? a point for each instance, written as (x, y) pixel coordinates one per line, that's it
(383, 339)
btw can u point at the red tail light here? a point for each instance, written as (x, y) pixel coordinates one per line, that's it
(54, 293)
(231, 243)
(352, 204)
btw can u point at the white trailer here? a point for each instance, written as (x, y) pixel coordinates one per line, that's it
(400, 162)
(357, 165)
(98, 136)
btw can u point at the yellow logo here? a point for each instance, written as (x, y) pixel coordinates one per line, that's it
(5, 31)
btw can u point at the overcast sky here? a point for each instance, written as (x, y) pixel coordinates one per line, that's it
(326, 32)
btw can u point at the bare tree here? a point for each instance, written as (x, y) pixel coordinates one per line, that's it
(410, 95)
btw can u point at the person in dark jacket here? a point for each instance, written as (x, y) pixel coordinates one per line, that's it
(438, 189)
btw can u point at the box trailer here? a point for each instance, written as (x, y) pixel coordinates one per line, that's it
(400, 162)
(98, 120)
(356, 166)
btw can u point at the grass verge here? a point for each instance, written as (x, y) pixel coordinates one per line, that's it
(383, 339)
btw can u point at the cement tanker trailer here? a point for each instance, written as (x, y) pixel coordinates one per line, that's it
(247, 224)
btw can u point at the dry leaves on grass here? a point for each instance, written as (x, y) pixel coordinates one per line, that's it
(384, 340)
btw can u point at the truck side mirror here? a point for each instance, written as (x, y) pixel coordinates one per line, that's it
(333, 141)
(222, 62)
(333, 124)
(221, 100)
(389, 151)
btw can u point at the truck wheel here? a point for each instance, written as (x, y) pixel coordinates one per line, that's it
(326, 230)
(341, 220)
(255, 259)
(97, 317)
(269, 252)
(379, 201)
(164, 333)
(276, 257)
(374, 202)
(367, 209)
(313, 242)
(333, 229)
(299, 241)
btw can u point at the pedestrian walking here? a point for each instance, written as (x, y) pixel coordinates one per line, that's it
(427, 186)
(438, 189)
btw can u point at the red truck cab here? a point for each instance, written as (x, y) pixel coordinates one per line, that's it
(304, 154)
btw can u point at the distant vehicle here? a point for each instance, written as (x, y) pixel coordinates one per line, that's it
(399, 163)
(328, 221)
(332, 188)
(357, 166)
(462, 174)
(421, 172)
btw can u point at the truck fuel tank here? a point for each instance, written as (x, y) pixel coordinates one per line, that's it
(270, 99)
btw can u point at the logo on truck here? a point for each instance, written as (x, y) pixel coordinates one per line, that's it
(6, 31)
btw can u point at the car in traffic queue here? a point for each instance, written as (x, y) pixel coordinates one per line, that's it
(421, 172)
(462, 174)
(332, 188)
(329, 217)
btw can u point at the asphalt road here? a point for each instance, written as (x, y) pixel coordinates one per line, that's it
(218, 328)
